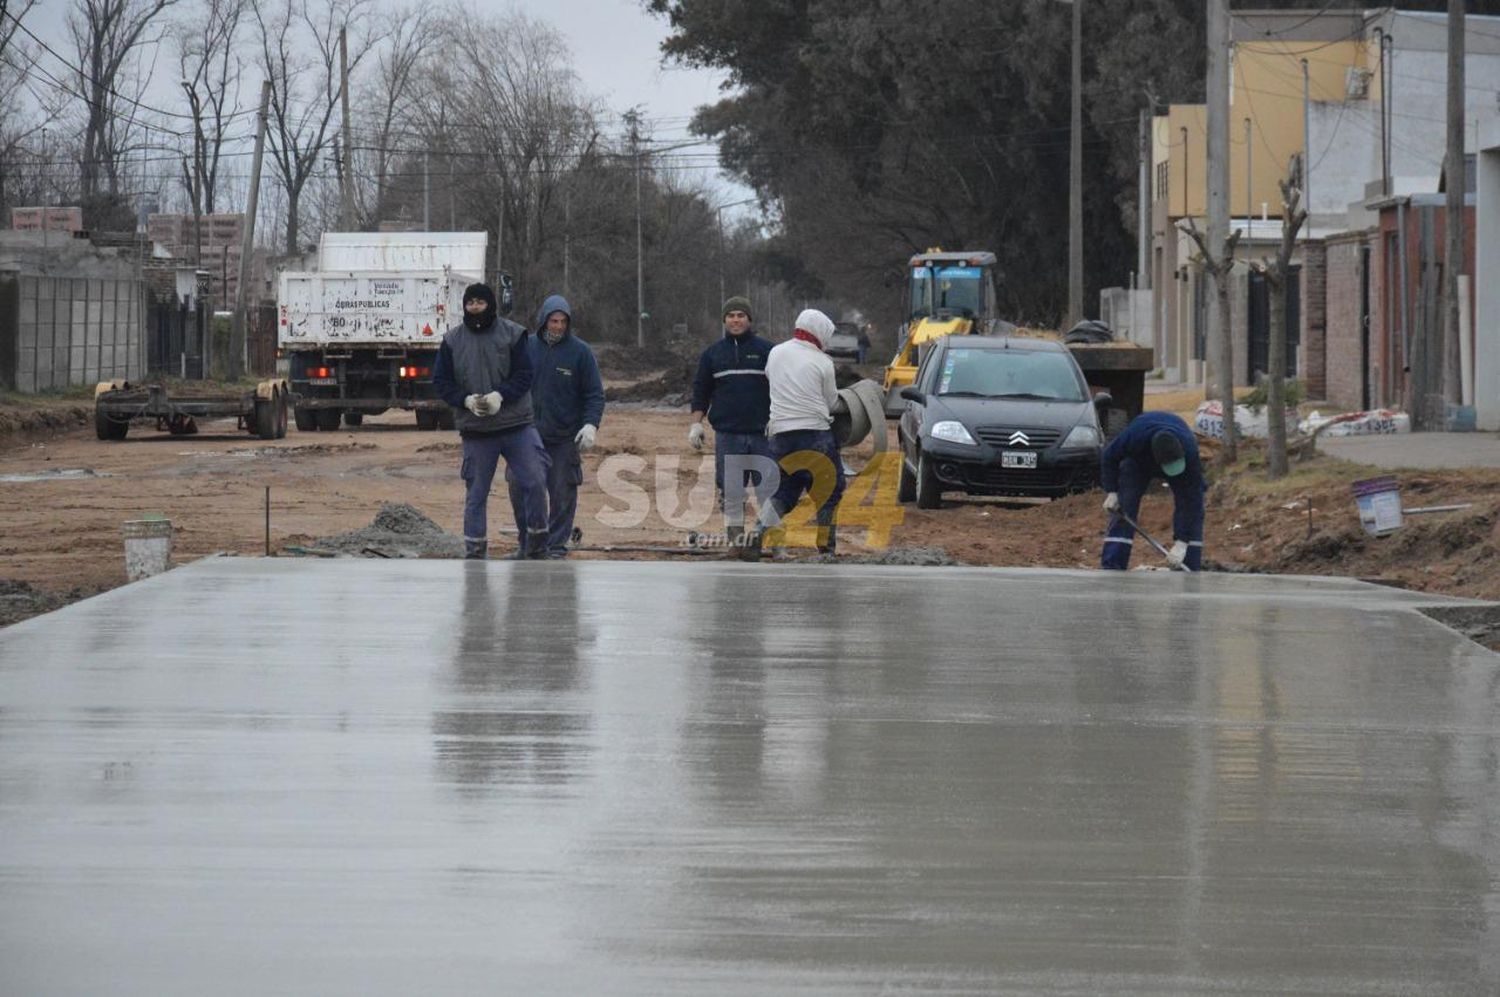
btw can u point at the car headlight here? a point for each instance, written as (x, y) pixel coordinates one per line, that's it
(951, 432)
(1082, 436)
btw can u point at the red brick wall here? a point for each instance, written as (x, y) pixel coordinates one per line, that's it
(1342, 369)
(1312, 361)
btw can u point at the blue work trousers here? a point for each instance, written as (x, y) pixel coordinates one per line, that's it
(564, 475)
(1120, 539)
(741, 445)
(794, 484)
(526, 463)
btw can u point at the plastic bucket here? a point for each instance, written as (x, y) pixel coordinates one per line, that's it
(148, 547)
(1379, 501)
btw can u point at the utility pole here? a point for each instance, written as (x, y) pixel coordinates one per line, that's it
(247, 240)
(1217, 181)
(1307, 145)
(1143, 208)
(1454, 184)
(346, 174)
(633, 119)
(1249, 181)
(1075, 178)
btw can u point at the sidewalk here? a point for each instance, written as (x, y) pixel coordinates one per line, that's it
(1422, 451)
(1425, 451)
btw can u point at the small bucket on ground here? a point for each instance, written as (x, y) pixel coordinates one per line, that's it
(1379, 501)
(148, 547)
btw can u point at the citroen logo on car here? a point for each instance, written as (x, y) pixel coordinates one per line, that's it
(1021, 438)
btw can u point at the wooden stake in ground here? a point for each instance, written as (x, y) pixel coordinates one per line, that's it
(1277, 273)
(1220, 266)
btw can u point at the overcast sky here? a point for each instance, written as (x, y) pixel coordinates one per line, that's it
(616, 52)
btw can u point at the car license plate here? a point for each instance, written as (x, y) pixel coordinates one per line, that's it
(1018, 458)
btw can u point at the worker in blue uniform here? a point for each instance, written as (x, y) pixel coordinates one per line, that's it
(1154, 445)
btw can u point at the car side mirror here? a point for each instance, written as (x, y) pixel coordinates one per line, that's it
(507, 296)
(913, 395)
(1103, 401)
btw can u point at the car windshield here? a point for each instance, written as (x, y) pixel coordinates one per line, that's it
(960, 290)
(1009, 374)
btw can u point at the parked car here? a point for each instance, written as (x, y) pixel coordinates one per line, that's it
(998, 416)
(844, 343)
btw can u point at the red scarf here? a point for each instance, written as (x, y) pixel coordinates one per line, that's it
(806, 337)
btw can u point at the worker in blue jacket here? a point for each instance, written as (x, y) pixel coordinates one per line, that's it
(730, 389)
(1154, 445)
(567, 396)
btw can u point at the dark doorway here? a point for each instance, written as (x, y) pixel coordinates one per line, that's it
(1260, 323)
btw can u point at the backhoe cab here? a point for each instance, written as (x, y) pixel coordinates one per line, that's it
(947, 294)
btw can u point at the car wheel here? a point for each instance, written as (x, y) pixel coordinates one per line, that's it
(929, 493)
(906, 487)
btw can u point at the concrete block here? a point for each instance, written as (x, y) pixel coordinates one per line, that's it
(26, 336)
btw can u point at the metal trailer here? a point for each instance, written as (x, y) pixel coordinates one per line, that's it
(260, 411)
(1120, 369)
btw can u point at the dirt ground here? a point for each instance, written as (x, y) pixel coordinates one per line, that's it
(66, 495)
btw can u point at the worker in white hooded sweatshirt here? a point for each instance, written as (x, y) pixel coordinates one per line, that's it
(803, 393)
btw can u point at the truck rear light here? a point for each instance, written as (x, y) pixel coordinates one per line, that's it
(410, 372)
(319, 372)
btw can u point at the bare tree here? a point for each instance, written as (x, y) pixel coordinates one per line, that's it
(1220, 266)
(299, 53)
(1277, 274)
(105, 36)
(394, 95)
(210, 64)
(18, 126)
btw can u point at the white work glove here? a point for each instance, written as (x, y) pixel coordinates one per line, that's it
(1112, 502)
(475, 404)
(492, 402)
(696, 433)
(585, 437)
(1177, 554)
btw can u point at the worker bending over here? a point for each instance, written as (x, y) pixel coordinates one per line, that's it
(1154, 445)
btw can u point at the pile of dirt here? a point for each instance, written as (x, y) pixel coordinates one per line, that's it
(672, 388)
(926, 557)
(398, 530)
(23, 600)
(25, 420)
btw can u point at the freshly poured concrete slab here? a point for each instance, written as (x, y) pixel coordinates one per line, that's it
(257, 776)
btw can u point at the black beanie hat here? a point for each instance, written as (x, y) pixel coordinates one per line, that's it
(737, 303)
(1166, 448)
(485, 318)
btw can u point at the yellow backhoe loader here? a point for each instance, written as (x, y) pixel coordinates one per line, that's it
(947, 294)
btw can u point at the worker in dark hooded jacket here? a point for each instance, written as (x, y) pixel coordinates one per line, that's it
(568, 397)
(484, 371)
(730, 389)
(1154, 445)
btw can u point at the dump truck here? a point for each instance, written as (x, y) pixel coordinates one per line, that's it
(946, 294)
(360, 334)
(260, 411)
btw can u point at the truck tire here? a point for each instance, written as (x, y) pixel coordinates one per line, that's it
(328, 419)
(427, 419)
(445, 419)
(929, 492)
(265, 418)
(307, 419)
(108, 427)
(906, 485)
(353, 418)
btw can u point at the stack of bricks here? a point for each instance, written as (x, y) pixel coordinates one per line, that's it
(221, 235)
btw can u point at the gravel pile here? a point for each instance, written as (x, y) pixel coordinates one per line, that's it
(927, 557)
(398, 530)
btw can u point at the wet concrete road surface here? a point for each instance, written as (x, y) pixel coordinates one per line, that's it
(253, 776)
